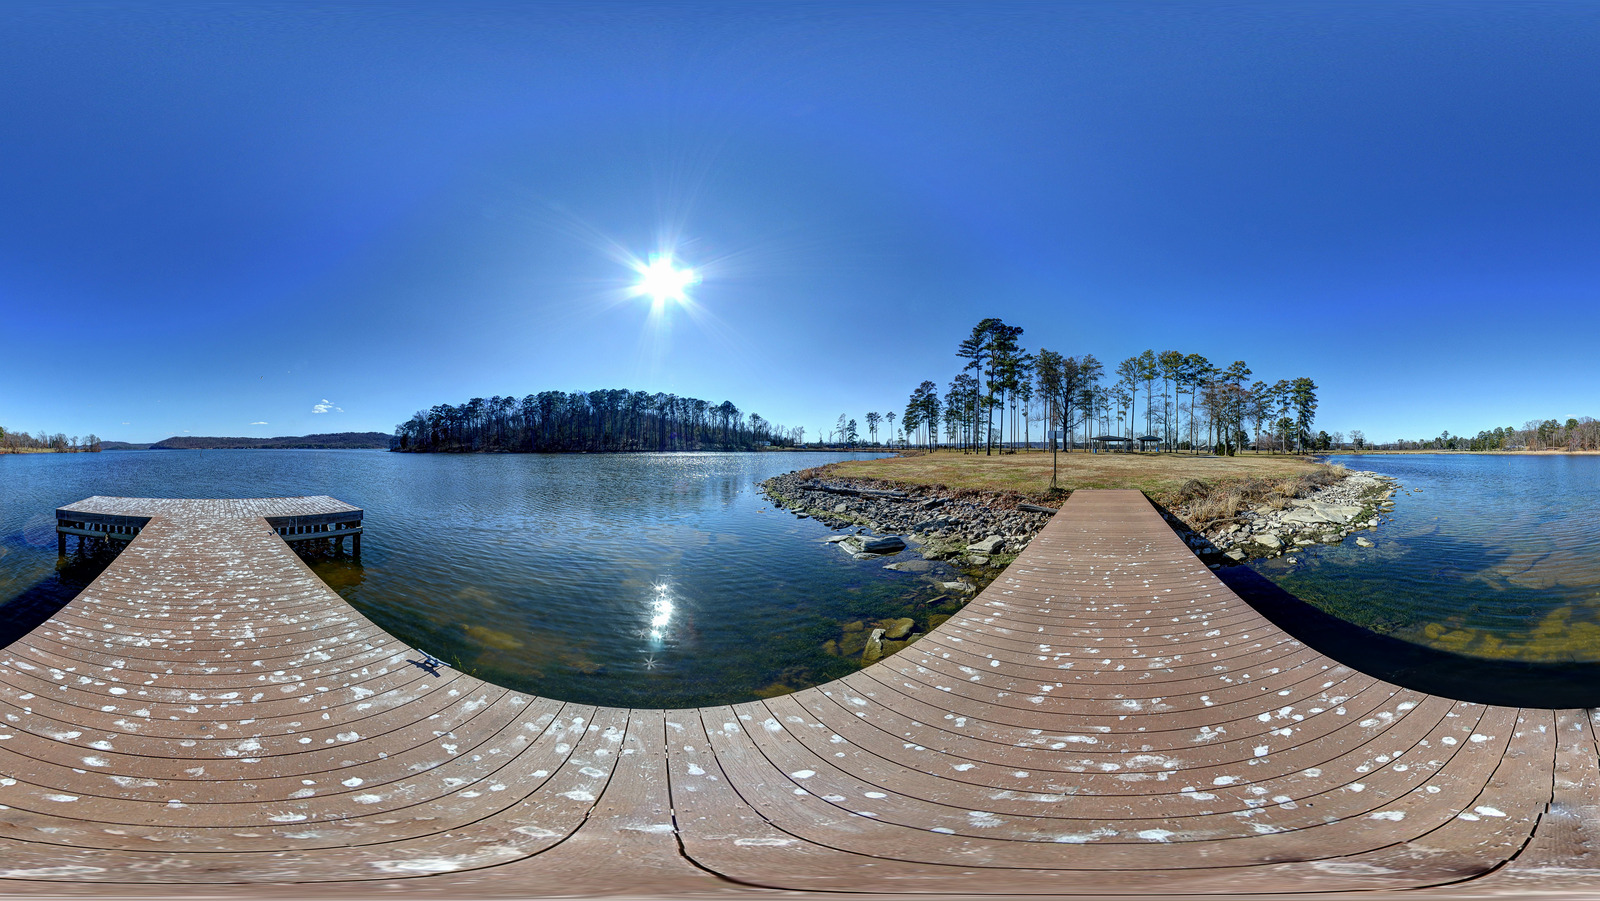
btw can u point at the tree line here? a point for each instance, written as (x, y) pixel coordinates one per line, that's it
(1187, 403)
(1574, 434)
(322, 441)
(15, 442)
(609, 420)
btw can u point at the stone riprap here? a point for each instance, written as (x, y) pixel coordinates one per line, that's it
(1327, 516)
(943, 524)
(986, 531)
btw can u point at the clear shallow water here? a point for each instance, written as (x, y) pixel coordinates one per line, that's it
(650, 580)
(1492, 557)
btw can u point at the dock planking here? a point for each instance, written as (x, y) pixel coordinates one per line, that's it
(1107, 718)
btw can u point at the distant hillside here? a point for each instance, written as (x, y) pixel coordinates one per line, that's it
(122, 445)
(340, 441)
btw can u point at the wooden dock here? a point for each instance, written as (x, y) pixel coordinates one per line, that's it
(1107, 718)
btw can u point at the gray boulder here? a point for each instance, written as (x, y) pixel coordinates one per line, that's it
(870, 544)
(1303, 517)
(1269, 540)
(988, 546)
(886, 544)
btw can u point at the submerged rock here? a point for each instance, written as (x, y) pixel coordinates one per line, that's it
(874, 648)
(852, 644)
(896, 629)
(910, 566)
(1364, 542)
(494, 638)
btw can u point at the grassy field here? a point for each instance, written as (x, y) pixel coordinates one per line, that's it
(1161, 476)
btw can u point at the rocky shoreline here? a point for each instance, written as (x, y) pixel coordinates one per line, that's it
(1329, 515)
(978, 534)
(957, 542)
(981, 533)
(974, 531)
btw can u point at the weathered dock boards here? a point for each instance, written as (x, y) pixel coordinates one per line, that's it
(1105, 719)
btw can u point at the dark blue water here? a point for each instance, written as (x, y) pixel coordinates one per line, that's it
(652, 580)
(1494, 557)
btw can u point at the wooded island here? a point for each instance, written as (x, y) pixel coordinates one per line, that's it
(594, 421)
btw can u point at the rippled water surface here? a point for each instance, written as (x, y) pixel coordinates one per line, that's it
(1495, 557)
(648, 579)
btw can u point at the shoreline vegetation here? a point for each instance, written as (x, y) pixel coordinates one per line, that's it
(324, 441)
(1523, 452)
(1577, 434)
(603, 421)
(23, 443)
(13, 442)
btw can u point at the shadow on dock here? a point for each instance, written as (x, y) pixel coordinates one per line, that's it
(1510, 683)
(40, 601)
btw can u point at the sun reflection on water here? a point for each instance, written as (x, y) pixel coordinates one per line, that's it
(660, 611)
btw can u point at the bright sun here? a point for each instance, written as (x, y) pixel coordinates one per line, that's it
(663, 281)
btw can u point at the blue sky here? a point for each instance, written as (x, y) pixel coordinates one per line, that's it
(219, 218)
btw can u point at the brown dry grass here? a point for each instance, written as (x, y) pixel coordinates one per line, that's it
(1205, 504)
(1168, 479)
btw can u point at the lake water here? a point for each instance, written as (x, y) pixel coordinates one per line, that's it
(651, 580)
(1489, 557)
(665, 580)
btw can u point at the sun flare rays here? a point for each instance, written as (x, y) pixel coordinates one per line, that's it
(661, 280)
